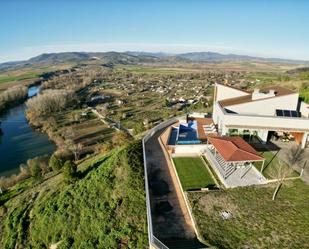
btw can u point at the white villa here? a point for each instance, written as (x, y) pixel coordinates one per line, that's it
(262, 112)
(240, 123)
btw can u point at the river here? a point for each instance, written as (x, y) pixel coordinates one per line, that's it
(19, 141)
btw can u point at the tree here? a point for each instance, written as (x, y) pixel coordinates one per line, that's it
(35, 169)
(76, 149)
(296, 155)
(69, 171)
(280, 172)
(55, 163)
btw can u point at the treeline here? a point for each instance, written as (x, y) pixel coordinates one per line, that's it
(49, 101)
(75, 80)
(12, 96)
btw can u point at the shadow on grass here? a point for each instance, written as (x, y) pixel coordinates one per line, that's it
(82, 174)
(271, 160)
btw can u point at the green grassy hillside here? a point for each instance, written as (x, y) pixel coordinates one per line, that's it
(104, 208)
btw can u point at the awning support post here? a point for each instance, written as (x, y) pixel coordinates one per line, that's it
(262, 165)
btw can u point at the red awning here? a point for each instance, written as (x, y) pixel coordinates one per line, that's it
(235, 149)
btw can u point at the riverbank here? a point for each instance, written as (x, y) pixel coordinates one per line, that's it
(19, 141)
(12, 96)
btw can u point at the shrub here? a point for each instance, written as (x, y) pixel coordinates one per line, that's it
(120, 138)
(55, 163)
(35, 169)
(69, 171)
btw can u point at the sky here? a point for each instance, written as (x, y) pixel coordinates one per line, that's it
(273, 28)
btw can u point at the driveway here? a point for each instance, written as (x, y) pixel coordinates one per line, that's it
(170, 218)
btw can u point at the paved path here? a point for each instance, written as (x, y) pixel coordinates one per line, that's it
(170, 218)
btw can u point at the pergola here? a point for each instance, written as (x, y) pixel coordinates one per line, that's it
(232, 153)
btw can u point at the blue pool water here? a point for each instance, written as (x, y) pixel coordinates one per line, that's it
(188, 133)
(173, 136)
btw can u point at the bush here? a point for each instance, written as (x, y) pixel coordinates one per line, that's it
(35, 169)
(138, 128)
(120, 138)
(69, 171)
(55, 163)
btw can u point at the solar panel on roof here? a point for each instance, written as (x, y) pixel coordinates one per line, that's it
(286, 113)
(279, 113)
(294, 114)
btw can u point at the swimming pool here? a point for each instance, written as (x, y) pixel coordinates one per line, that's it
(173, 136)
(188, 133)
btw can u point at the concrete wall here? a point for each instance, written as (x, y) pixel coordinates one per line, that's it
(267, 106)
(227, 120)
(225, 92)
(304, 109)
(190, 149)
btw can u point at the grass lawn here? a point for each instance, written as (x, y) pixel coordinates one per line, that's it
(192, 173)
(271, 162)
(256, 221)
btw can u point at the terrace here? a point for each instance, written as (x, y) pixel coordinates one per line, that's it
(233, 161)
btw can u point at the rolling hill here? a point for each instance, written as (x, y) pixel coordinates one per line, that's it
(136, 57)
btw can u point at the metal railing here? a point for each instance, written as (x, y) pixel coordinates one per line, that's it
(157, 243)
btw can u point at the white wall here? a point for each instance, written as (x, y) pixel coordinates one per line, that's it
(226, 92)
(263, 134)
(267, 106)
(267, 122)
(304, 109)
(190, 148)
(263, 122)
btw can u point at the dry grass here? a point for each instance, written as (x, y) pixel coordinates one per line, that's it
(257, 221)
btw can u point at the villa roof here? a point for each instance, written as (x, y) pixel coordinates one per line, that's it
(235, 149)
(279, 91)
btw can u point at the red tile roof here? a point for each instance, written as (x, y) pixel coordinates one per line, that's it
(234, 149)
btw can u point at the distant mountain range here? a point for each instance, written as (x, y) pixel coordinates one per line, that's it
(136, 57)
